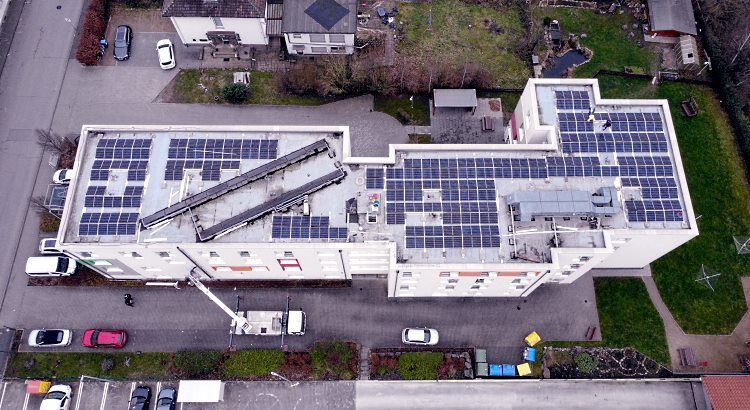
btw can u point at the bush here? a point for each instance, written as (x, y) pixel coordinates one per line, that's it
(94, 27)
(547, 21)
(143, 4)
(253, 363)
(331, 360)
(586, 363)
(302, 80)
(235, 93)
(420, 365)
(107, 365)
(197, 363)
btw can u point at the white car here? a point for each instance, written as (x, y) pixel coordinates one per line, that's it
(419, 336)
(48, 246)
(50, 266)
(50, 337)
(166, 54)
(57, 398)
(62, 176)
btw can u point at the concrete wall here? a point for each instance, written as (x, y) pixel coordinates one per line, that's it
(192, 30)
(303, 44)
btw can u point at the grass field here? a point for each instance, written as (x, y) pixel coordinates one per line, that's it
(605, 37)
(263, 89)
(465, 33)
(720, 197)
(407, 112)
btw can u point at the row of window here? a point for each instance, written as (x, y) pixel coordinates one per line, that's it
(321, 38)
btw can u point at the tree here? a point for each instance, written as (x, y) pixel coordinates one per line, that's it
(51, 141)
(235, 93)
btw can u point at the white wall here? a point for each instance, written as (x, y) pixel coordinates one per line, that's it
(304, 44)
(192, 30)
(528, 130)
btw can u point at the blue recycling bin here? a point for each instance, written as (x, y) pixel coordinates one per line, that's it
(529, 354)
(509, 370)
(496, 370)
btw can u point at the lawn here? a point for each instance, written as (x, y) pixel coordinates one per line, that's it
(415, 112)
(605, 37)
(465, 33)
(720, 196)
(71, 366)
(263, 88)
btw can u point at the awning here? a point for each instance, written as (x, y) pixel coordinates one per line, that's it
(455, 98)
(200, 391)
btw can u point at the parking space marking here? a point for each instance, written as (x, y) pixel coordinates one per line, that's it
(80, 394)
(132, 387)
(2, 397)
(104, 395)
(26, 401)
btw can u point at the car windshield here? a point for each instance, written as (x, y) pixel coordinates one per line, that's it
(62, 265)
(55, 395)
(62, 174)
(46, 337)
(95, 336)
(138, 400)
(164, 401)
(426, 336)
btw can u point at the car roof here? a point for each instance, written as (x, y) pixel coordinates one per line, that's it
(108, 337)
(416, 334)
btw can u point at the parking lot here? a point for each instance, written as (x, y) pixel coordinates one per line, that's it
(100, 395)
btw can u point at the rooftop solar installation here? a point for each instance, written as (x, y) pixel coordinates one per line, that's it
(326, 12)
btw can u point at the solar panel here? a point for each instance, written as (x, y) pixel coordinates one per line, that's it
(107, 224)
(306, 227)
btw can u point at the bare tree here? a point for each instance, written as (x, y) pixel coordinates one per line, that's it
(51, 141)
(38, 205)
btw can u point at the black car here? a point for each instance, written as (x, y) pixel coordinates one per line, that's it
(166, 398)
(123, 35)
(141, 398)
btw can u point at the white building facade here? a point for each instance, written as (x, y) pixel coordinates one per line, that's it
(198, 22)
(154, 203)
(319, 27)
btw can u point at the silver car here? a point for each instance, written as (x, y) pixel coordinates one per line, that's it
(50, 337)
(166, 398)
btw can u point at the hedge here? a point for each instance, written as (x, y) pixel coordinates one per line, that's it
(94, 27)
(257, 363)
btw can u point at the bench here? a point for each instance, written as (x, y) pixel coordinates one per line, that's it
(487, 124)
(687, 357)
(690, 107)
(590, 332)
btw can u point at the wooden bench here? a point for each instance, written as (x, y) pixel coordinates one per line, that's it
(690, 107)
(687, 357)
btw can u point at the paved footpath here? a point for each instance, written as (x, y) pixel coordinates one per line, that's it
(611, 395)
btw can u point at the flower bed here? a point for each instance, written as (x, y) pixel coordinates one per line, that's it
(600, 363)
(418, 364)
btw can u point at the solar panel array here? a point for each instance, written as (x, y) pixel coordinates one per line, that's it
(212, 155)
(108, 223)
(572, 100)
(131, 154)
(306, 227)
(628, 132)
(374, 178)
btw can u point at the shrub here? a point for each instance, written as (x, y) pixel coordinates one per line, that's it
(253, 363)
(330, 360)
(586, 363)
(197, 363)
(235, 93)
(94, 27)
(143, 4)
(547, 21)
(107, 365)
(297, 365)
(420, 365)
(302, 80)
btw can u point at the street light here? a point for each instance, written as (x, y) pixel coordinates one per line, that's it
(284, 378)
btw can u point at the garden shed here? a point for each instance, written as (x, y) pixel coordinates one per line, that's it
(454, 98)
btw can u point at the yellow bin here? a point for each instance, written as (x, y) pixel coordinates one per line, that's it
(524, 369)
(532, 339)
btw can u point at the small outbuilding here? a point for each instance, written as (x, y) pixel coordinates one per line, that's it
(200, 391)
(671, 18)
(454, 98)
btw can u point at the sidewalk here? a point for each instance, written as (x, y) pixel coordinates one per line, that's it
(720, 351)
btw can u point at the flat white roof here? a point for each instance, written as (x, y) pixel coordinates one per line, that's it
(200, 391)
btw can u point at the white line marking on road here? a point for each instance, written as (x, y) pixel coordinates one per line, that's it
(132, 387)
(104, 395)
(80, 394)
(26, 401)
(2, 397)
(158, 389)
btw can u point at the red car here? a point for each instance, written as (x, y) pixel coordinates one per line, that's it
(105, 338)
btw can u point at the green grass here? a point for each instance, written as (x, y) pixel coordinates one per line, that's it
(605, 37)
(71, 366)
(253, 363)
(419, 365)
(198, 363)
(720, 196)
(331, 360)
(400, 108)
(460, 33)
(263, 89)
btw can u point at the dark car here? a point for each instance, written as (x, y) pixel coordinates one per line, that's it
(115, 338)
(141, 398)
(123, 35)
(166, 398)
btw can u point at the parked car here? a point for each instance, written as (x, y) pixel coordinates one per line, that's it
(50, 266)
(62, 176)
(140, 398)
(419, 336)
(48, 246)
(166, 54)
(166, 399)
(57, 398)
(123, 36)
(50, 337)
(111, 338)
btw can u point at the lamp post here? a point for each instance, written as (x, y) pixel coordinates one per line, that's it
(293, 384)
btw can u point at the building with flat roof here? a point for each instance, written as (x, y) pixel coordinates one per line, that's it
(581, 183)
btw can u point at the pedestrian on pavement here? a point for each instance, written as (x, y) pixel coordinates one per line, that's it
(129, 299)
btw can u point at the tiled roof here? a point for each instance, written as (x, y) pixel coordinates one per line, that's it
(215, 8)
(727, 392)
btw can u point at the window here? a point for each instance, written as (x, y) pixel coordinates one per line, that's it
(475, 286)
(445, 274)
(296, 35)
(406, 275)
(213, 254)
(320, 50)
(217, 22)
(404, 287)
(136, 255)
(575, 266)
(453, 280)
(290, 265)
(585, 258)
(288, 254)
(244, 254)
(317, 38)
(336, 38)
(516, 281)
(86, 254)
(337, 49)
(102, 263)
(165, 255)
(479, 281)
(485, 274)
(449, 287)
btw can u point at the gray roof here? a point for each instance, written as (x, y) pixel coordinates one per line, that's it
(320, 16)
(672, 15)
(215, 8)
(455, 98)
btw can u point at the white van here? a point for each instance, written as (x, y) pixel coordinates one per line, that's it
(50, 266)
